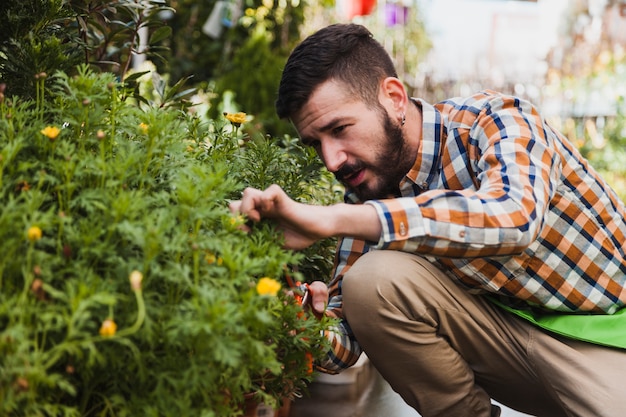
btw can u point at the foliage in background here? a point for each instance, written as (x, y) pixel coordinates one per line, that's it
(241, 67)
(45, 36)
(586, 78)
(34, 40)
(126, 286)
(605, 146)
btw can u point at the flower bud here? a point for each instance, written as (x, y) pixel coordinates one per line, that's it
(108, 328)
(135, 278)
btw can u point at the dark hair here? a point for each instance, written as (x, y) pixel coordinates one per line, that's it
(344, 52)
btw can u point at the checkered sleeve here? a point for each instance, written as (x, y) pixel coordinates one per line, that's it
(505, 147)
(345, 350)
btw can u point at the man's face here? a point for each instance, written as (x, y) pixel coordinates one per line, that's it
(363, 147)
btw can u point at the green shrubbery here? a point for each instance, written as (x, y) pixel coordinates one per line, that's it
(126, 285)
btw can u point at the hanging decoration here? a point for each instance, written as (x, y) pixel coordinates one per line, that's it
(224, 15)
(352, 8)
(396, 14)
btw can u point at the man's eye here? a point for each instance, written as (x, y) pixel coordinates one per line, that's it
(337, 130)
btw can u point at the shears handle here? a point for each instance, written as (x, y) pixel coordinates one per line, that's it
(306, 299)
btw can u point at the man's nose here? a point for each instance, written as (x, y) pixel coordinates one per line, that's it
(333, 155)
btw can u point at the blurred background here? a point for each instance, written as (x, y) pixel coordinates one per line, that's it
(566, 56)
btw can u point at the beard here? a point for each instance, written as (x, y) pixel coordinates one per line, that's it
(390, 166)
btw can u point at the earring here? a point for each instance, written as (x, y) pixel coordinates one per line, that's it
(403, 119)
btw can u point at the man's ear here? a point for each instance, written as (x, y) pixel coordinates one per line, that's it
(393, 95)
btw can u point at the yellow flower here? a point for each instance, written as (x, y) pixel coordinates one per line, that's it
(211, 258)
(236, 118)
(135, 278)
(108, 328)
(51, 132)
(268, 286)
(34, 233)
(143, 127)
(236, 220)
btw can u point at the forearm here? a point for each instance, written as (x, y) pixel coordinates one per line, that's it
(359, 221)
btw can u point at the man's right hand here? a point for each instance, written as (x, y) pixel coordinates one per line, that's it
(304, 224)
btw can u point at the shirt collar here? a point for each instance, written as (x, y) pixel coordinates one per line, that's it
(429, 150)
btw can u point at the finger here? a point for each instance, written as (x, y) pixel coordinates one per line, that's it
(234, 206)
(319, 295)
(250, 200)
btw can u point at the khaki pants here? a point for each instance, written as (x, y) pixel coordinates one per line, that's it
(447, 352)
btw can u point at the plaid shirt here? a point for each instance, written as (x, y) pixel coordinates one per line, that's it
(504, 204)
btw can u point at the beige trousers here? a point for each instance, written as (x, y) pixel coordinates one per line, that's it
(447, 352)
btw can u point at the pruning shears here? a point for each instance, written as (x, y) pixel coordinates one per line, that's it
(303, 294)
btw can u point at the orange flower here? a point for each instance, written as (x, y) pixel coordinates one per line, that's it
(308, 356)
(236, 119)
(22, 186)
(143, 127)
(51, 132)
(108, 328)
(268, 286)
(211, 258)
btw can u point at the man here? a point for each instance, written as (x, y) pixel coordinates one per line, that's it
(470, 229)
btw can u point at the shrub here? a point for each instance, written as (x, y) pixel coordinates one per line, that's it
(126, 285)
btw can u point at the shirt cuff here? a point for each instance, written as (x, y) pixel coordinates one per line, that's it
(400, 220)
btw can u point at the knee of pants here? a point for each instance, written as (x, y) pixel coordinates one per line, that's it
(364, 275)
(375, 284)
(385, 283)
(360, 289)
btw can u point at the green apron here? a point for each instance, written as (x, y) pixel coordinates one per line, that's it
(600, 329)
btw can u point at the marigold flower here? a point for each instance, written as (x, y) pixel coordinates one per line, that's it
(37, 289)
(108, 328)
(211, 258)
(22, 186)
(268, 286)
(143, 127)
(51, 132)
(22, 384)
(236, 118)
(135, 279)
(308, 357)
(236, 220)
(34, 233)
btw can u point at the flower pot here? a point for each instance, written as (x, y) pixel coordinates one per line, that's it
(252, 408)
